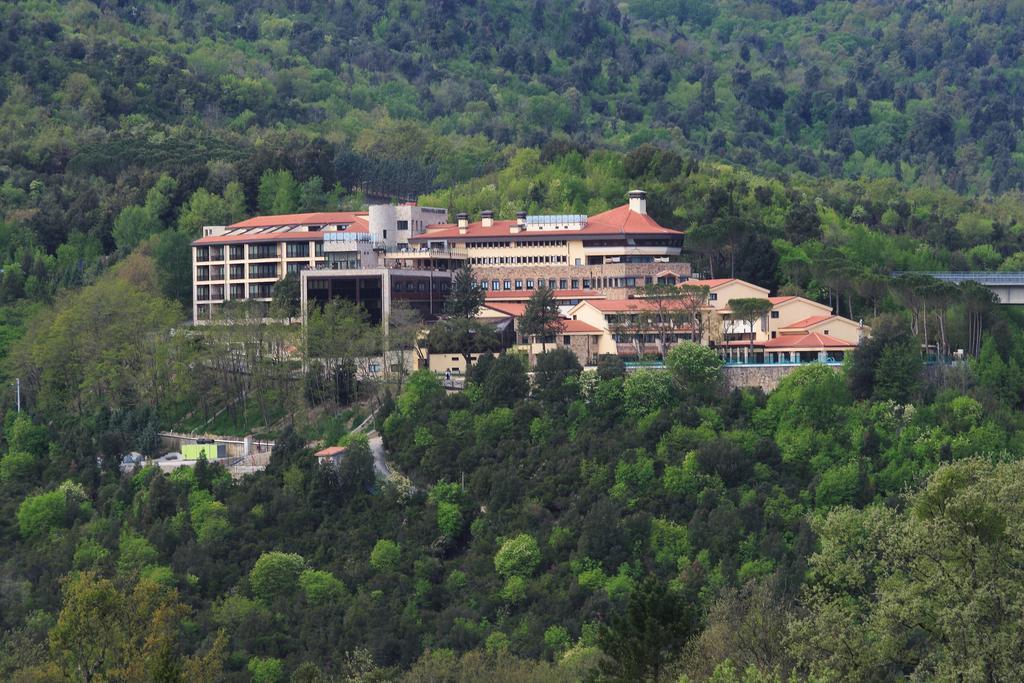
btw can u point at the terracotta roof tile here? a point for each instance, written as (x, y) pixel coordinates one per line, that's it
(579, 327)
(316, 218)
(809, 322)
(627, 305)
(330, 451)
(513, 309)
(811, 341)
(523, 295)
(617, 221)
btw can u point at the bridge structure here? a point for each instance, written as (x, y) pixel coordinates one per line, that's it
(1008, 287)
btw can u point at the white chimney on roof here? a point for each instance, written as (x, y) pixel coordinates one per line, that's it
(463, 219)
(638, 201)
(487, 219)
(520, 223)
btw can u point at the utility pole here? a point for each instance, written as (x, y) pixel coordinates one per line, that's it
(17, 392)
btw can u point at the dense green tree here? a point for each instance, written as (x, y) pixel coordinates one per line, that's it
(541, 318)
(276, 574)
(466, 296)
(642, 639)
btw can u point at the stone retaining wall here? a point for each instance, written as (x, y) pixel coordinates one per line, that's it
(765, 376)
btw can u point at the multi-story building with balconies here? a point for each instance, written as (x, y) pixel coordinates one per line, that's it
(245, 260)
(409, 252)
(614, 252)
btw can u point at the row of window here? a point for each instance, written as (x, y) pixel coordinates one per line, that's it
(565, 283)
(262, 290)
(519, 244)
(517, 260)
(236, 252)
(420, 286)
(237, 271)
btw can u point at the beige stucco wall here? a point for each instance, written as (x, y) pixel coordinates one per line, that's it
(597, 275)
(795, 310)
(840, 328)
(737, 289)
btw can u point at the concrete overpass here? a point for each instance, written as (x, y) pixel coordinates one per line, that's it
(1008, 287)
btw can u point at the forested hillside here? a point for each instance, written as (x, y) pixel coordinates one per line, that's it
(861, 523)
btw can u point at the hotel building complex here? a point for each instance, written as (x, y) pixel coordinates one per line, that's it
(596, 266)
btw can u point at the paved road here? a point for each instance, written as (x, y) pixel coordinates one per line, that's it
(379, 464)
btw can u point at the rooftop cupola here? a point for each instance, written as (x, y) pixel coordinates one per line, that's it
(638, 201)
(463, 219)
(487, 218)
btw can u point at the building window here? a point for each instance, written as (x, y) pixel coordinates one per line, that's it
(203, 293)
(318, 248)
(421, 286)
(508, 284)
(775, 314)
(236, 252)
(237, 291)
(519, 285)
(575, 284)
(529, 284)
(586, 284)
(257, 270)
(484, 285)
(216, 253)
(551, 284)
(236, 272)
(202, 253)
(410, 286)
(563, 284)
(263, 290)
(203, 273)
(298, 249)
(263, 251)
(403, 225)
(295, 268)
(565, 340)
(713, 296)
(495, 285)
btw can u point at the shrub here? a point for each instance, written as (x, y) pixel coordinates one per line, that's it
(276, 574)
(518, 556)
(266, 670)
(385, 555)
(17, 466)
(322, 588)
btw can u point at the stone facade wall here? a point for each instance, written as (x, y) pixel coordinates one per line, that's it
(593, 273)
(765, 376)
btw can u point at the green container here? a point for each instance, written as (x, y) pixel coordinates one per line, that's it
(193, 451)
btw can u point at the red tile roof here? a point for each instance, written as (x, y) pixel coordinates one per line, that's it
(617, 221)
(330, 451)
(776, 300)
(235, 238)
(579, 327)
(515, 310)
(523, 295)
(621, 220)
(289, 219)
(810, 341)
(809, 322)
(717, 282)
(627, 305)
(280, 227)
